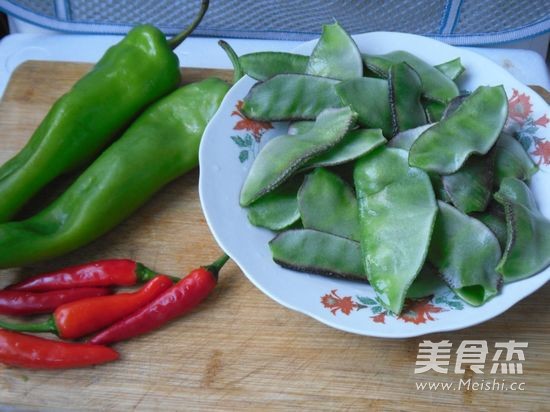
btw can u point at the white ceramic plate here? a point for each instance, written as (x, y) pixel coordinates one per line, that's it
(230, 144)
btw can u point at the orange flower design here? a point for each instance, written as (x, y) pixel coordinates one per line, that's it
(542, 121)
(380, 318)
(255, 127)
(542, 149)
(335, 303)
(419, 310)
(519, 106)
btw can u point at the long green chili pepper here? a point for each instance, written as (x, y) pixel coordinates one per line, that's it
(159, 146)
(131, 75)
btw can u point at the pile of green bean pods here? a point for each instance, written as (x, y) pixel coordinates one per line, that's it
(388, 174)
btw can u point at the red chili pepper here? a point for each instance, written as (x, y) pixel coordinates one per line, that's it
(174, 302)
(18, 349)
(76, 319)
(14, 302)
(112, 272)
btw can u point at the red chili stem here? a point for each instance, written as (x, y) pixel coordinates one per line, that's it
(174, 302)
(80, 318)
(17, 349)
(14, 302)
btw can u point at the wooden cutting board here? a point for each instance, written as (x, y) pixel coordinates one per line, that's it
(240, 350)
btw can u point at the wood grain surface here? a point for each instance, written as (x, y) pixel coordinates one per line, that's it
(240, 350)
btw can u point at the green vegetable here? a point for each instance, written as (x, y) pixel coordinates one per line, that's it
(493, 217)
(336, 55)
(284, 155)
(466, 253)
(405, 139)
(290, 97)
(512, 160)
(159, 146)
(397, 209)
(434, 110)
(436, 86)
(426, 283)
(452, 69)
(263, 65)
(527, 249)
(132, 74)
(311, 251)
(327, 204)
(374, 113)
(355, 144)
(405, 91)
(473, 128)
(470, 188)
(278, 209)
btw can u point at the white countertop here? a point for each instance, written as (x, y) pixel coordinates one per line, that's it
(527, 66)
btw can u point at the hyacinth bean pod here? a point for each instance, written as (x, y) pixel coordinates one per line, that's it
(284, 155)
(434, 110)
(355, 144)
(336, 55)
(317, 252)
(527, 249)
(405, 89)
(472, 129)
(512, 160)
(465, 252)
(397, 209)
(263, 65)
(328, 204)
(452, 69)
(291, 97)
(470, 188)
(405, 139)
(436, 85)
(278, 209)
(425, 283)
(370, 98)
(493, 217)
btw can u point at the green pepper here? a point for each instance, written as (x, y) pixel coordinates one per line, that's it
(159, 146)
(131, 75)
(397, 209)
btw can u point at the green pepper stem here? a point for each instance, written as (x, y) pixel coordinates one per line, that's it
(46, 326)
(216, 266)
(237, 68)
(144, 274)
(179, 38)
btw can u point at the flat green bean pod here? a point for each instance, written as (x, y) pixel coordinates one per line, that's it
(328, 204)
(397, 209)
(355, 144)
(494, 218)
(300, 126)
(452, 69)
(527, 249)
(472, 129)
(278, 209)
(434, 110)
(263, 65)
(405, 91)
(426, 283)
(370, 98)
(453, 105)
(436, 86)
(312, 251)
(405, 139)
(284, 155)
(512, 160)
(466, 253)
(470, 187)
(336, 55)
(290, 97)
